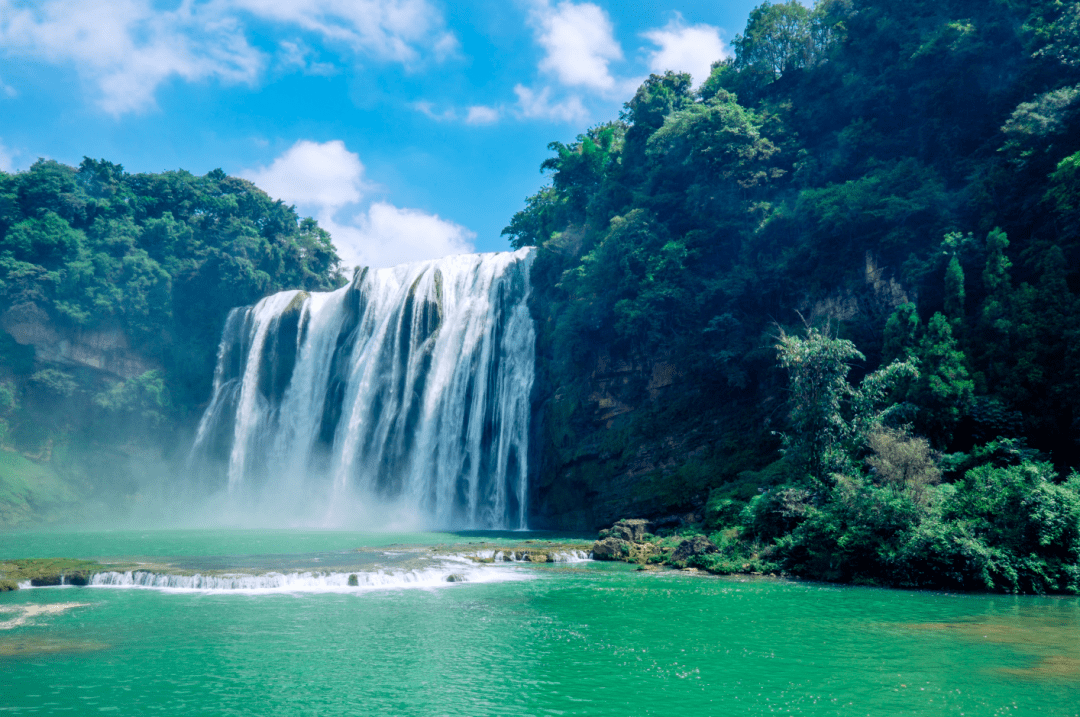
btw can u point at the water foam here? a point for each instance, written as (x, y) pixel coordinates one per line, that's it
(443, 575)
(409, 388)
(523, 556)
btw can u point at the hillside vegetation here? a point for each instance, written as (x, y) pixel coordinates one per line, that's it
(828, 300)
(97, 263)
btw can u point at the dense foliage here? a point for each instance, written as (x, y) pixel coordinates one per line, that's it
(158, 259)
(907, 178)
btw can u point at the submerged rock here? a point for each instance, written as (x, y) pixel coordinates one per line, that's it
(697, 545)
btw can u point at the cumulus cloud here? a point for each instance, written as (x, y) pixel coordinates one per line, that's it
(313, 175)
(686, 48)
(539, 105)
(132, 47)
(386, 235)
(327, 181)
(580, 44)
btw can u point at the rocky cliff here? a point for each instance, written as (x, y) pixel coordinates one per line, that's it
(627, 438)
(103, 349)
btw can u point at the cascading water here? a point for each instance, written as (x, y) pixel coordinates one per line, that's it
(408, 388)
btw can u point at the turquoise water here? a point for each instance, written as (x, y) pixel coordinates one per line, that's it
(564, 639)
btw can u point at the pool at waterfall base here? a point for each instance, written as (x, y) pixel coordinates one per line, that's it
(269, 623)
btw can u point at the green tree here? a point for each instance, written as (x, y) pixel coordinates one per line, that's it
(901, 332)
(954, 293)
(945, 390)
(830, 419)
(780, 38)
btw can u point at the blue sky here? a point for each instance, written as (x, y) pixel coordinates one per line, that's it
(410, 129)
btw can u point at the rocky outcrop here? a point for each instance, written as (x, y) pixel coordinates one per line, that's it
(103, 349)
(630, 541)
(697, 545)
(43, 572)
(611, 549)
(627, 540)
(632, 530)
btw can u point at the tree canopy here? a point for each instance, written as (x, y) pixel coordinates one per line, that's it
(161, 258)
(905, 176)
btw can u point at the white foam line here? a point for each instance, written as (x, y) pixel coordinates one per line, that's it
(509, 556)
(305, 582)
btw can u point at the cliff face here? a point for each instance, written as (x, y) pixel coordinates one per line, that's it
(624, 440)
(67, 402)
(106, 350)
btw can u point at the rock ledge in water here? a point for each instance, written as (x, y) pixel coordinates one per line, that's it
(610, 549)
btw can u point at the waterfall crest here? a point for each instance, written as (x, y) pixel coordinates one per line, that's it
(409, 387)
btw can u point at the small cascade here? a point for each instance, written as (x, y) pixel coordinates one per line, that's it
(407, 389)
(448, 573)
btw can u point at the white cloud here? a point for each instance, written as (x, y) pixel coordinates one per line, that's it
(7, 159)
(295, 55)
(686, 48)
(325, 175)
(327, 181)
(394, 30)
(539, 105)
(131, 47)
(479, 114)
(428, 109)
(475, 115)
(386, 235)
(7, 90)
(580, 44)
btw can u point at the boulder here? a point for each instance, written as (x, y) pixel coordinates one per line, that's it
(632, 530)
(610, 549)
(697, 545)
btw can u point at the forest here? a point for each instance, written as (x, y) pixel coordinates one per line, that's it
(159, 259)
(852, 254)
(857, 245)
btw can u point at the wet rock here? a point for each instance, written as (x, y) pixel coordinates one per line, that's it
(43, 581)
(697, 545)
(610, 549)
(353, 582)
(455, 578)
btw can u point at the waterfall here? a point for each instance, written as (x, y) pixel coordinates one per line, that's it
(408, 387)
